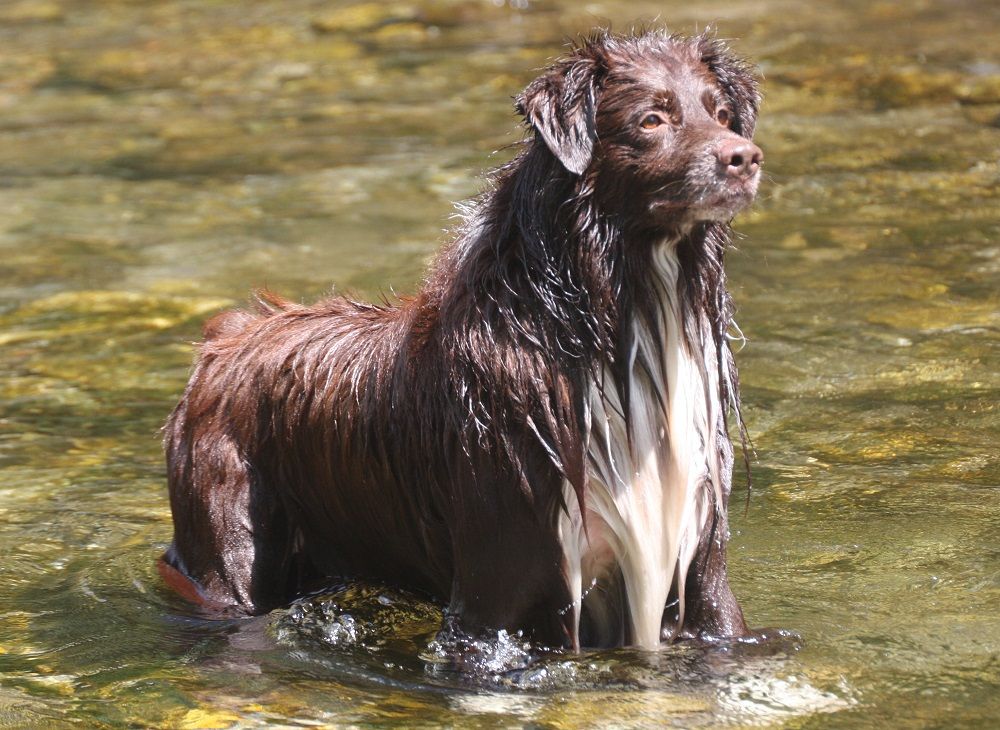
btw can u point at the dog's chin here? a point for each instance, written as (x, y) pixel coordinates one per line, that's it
(718, 204)
(722, 205)
(721, 213)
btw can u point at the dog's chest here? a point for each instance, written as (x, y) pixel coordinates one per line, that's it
(649, 481)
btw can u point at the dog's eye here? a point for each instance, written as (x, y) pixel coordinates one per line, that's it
(723, 117)
(651, 121)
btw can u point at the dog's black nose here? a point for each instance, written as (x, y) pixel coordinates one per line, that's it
(740, 157)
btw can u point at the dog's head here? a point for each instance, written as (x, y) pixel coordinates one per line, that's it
(660, 126)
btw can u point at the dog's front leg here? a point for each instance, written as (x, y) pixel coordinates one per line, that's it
(710, 607)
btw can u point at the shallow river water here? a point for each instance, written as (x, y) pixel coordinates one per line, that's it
(160, 159)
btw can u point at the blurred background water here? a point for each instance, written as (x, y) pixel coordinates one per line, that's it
(161, 158)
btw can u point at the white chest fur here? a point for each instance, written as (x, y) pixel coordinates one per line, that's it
(648, 497)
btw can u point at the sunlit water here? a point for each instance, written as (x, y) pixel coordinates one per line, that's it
(160, 159)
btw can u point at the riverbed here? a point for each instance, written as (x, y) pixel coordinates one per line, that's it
(160, 160)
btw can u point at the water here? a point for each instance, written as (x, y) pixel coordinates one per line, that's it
(158, 160)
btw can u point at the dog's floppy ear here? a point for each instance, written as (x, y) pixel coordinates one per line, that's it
(561, 106)
(737, 78)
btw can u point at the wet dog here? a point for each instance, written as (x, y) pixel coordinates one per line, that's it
(539, 436)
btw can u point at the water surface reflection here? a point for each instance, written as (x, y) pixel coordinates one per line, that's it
(159, 160)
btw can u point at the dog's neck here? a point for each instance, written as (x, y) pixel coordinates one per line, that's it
(653, 474)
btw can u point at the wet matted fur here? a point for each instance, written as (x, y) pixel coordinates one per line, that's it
(539, 436)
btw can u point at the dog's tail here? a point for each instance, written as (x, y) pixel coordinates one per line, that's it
(269, 302)
(233, 322)
(171, 570)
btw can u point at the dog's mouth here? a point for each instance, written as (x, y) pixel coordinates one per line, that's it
(721, 200)
(724, 200)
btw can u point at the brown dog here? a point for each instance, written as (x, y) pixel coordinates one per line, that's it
(539, 436)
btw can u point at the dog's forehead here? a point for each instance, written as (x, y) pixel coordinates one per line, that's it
(667, 68)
